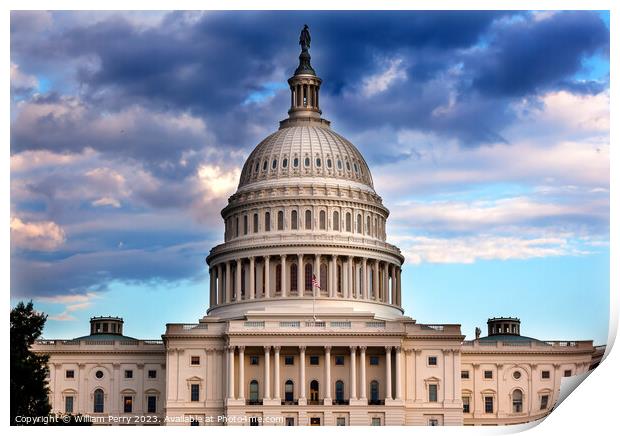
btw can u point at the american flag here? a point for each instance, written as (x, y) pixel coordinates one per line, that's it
(315, 282)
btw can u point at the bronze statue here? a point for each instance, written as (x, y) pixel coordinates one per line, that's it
(304, 38)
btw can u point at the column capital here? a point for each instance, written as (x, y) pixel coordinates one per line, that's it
(362, 347)
(251, 258)
(408, 350)
(230, 348)
(283, 256)
(388, 348)
(241, 348)
(276, 348)
(267, 348)
(334, 256)
(353, 348)
(267, 256)
(328, 347)
(302, 348)
(475, 365)
(398, 348)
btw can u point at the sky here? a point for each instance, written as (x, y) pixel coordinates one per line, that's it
(487, 135)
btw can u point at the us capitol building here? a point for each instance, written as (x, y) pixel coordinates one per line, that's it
(305, 324)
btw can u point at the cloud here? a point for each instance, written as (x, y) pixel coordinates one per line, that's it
(21, 81)
(107, 201)
(379, 82)
(71, 302)
(38, 236)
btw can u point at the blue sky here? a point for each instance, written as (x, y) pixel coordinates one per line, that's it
(487, 134)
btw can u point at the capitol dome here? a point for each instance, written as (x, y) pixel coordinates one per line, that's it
(305, 230)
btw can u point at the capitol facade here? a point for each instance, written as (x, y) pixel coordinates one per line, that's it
(305, 324)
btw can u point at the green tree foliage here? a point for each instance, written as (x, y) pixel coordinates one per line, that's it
(29, 390)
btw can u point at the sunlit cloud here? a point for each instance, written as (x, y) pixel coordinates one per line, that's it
(38, 236)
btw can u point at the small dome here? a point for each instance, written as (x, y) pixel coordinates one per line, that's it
(308, 150)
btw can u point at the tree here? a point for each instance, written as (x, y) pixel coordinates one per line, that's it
(29, 371)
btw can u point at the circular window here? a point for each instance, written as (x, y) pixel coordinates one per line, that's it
(318, 162)
(99, 374)
(339, 164)
(284, 163)
(516, 375)
(274, 164)
(329, 163)
(307, 161)
(296, 162)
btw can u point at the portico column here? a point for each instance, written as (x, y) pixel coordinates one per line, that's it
(302, 372)
(238, 281)
(350, 277)
(228, 283)
(267, 284)
(283, 275)
(231, 372)
(266, 376)
(364, 279)
(388, 373)
(241, 387)
(211, 287)
(398, 374)
(375, 280)
(353, 378)
(363, 373)
(334, 273)
(317, 274)
(276, 373)
(252, 278)
(328, 374)
(301, 286)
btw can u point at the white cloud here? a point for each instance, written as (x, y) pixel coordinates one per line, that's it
(380, 82)
(19, 79)
(39, 236)
(107, 201)
(72, 303)
(216, 182)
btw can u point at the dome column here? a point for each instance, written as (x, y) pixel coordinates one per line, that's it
(317, 273)
(252, 278)
(220, 284)
(393, 287)
(283, 275)
(267, 284)
(386, 283)
(375, 280)
(332, 277)
(228, 283)
(211, 287)
(301, 286)
(238, 281)
(398, 289)
(364, 279)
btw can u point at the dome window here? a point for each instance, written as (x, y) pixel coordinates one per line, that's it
(348, 165)
(296, 162)
(265, 166)
(284, 163)
(318, 162)
(339, 164)
(307, 162)
(274, 164)
(355, 167)
(329, 163)
(256, 167)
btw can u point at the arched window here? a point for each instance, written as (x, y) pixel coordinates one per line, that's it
(293, 277)
(98, 401)
(374, 391)
(278, 278)
(348, 221)
(253, 390)
(294, 220)
(308, 277)
(339, 278)
(368, 225)
(288, 390)
(255, 223)
(336, 221)
(308, 219)
(267, 222)
(359, 223)
(280, 220)
(243, 280)
(340, 391)
(322, 220)
(517, 401)
(376, 229)
(324, 282)
(314, 390)
(245, 224)
(236, 227)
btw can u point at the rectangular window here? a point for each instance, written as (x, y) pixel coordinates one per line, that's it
(465, 374)
(340, 360)
(432, 393)
(289, 360)
(375, 421)
(245, 224)
(314, 360)
(127, 404)
(433, 422)
(544, 402)
(290, 421)
(195, 390)
(568, 373)
(341, 421)
(69, 404)
(253, 360)
(128, 373)
(374, 360)
(488, 404)
(465, 404)
(488, 374)
(152, 373)
(545, 374)
(432, 361)
(195, 360)
(151, 404)
(69, 373)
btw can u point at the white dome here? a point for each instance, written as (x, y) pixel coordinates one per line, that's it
(306, 150)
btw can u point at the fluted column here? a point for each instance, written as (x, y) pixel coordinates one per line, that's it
(228, 283)
(301, 286)
(345, 279)
(388, 373)
(267, 283)
(363, 373)
(353, 377)
(212, 287)
(231, 372)
(267, 383)
(220, 284)
(283, 275)
(375, 280)
(252, 278)
(328, 374)
(302, 372)
(241, 387)
(276, 373)
(365, 294)
(399, 393)
(333, 277)
(350, 276)
(393, 290)
(238, 281)
(317, 274)
(398, 287)
(386, 283)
